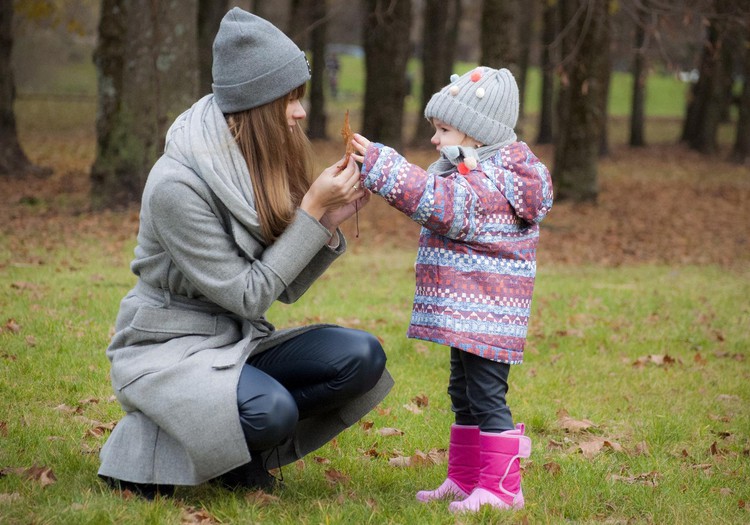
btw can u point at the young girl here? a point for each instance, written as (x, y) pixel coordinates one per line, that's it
(480, 205)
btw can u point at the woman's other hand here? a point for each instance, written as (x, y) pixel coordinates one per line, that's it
(334, 193)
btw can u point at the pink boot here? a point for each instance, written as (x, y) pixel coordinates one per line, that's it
(463, 466)
(499, 482)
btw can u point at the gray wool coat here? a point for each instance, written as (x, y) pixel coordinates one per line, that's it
(196, 314)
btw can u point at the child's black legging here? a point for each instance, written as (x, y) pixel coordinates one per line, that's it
(315, 372)
(478, 387)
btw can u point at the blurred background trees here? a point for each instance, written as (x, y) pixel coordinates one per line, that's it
(153, 61)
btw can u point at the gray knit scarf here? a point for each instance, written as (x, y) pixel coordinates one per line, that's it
(452, 156)
(202, 138)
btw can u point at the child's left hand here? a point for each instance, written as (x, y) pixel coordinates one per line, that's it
(360, 144)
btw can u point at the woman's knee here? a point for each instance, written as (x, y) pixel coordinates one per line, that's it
(370, 358)
(268, 412)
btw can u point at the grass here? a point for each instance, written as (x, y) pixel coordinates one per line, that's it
(684, 426)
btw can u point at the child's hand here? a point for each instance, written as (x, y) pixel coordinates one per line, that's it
(360, 145)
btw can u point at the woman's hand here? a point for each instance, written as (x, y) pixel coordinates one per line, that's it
(360, 144)
(334, 193)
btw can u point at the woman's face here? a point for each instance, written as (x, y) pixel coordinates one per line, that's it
(446, 135)
(294, 112)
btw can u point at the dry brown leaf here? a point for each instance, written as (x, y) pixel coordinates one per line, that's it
(647, 478)
(261, 498)
(334, 477)
(321, 460)
(347, 135)
(414, 409)
(192, 515)
(569, 424)
(421, 400)
(400, 461)
(3, 428)
(366, 425)
(389, 431)
(12, 326)
(553, 468)
(43, 475)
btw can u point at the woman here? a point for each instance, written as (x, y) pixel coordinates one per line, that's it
(230, 223)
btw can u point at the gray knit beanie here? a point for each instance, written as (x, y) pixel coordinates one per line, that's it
(254, 62)
(482, 103)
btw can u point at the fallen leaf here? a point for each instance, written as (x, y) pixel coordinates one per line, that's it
(388, 431)
(3, 428)
(648, 478)
(31, 341)
(414, 409)
(573, 425)
(321, 460)
(334, 477)
(43, 475)
(366, 425)
(192, 515)
(421, 400)
(13, 326)
(261, 498)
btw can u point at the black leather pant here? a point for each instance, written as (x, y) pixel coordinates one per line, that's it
(313, 373)
(478, 388)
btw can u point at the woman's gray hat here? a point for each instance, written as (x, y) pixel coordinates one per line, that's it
(482, 103)
(254, 62)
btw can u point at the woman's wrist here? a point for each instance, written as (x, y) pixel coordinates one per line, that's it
(312, 208)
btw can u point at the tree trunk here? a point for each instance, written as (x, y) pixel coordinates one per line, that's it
(526, 37)
(580, 103)
(638, 107)
(147, 68)
(440, 29)
(316, 127)
(602, 69)
(13, 161)
(741, 150)
(499, 34)
(386, 44)
(210, 13)
(547, 66)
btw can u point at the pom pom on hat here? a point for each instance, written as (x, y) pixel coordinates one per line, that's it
(482, 103)
(254, 62)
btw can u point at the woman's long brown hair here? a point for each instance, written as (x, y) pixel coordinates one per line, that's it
(278, 159)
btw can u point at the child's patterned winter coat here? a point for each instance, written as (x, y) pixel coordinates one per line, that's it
(476, 262)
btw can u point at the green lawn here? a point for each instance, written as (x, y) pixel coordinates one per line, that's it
(654, 358)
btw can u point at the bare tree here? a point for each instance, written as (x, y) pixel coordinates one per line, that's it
(210, 13)
(709, 93)
(638, 105)
(525, 38)
(499, 34)
(386, 43)
(547, 65)
(13, 160)
(147, 74)
(318, 18)
(741, 150)
(581, 107)
(439, 33)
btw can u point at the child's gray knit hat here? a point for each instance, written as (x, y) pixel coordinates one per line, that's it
(482, 103)
(254, 62)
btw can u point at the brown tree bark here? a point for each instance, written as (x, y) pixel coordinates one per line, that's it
(317, 121)
(13, 160)
(526, 37)
(580, 103)
(386, 45)
(498, 39)
(440, 30)
(210, 13)
(547, 65)
(638, 104)
(741, 149)
(147, 69)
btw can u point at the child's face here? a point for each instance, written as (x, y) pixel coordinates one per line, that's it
(446, 135)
